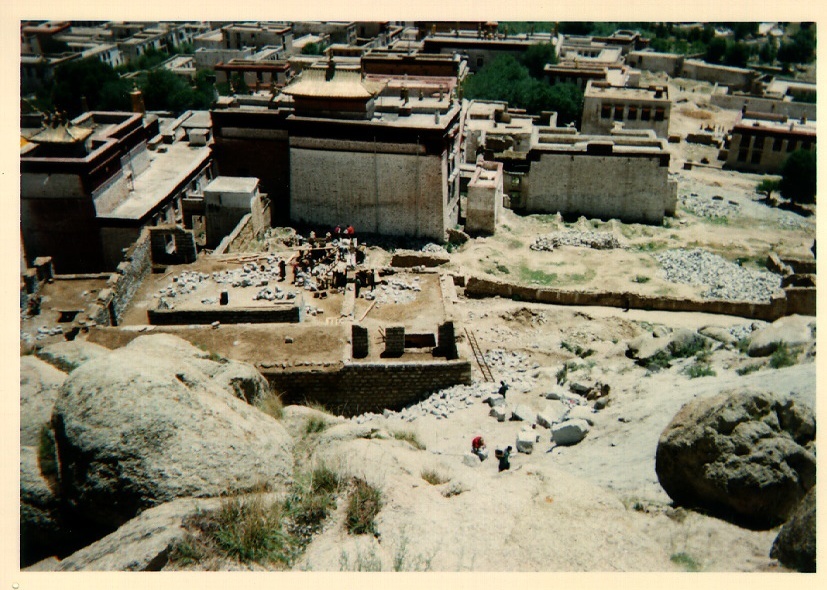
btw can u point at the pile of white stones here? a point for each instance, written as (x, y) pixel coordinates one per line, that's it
(726, 280)
(582, 239)
(396, 291)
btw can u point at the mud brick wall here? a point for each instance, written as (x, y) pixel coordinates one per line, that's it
(801, 300)
(480, 287)
(394, 341)
(167, 317)
(361, 342)
(368, 387)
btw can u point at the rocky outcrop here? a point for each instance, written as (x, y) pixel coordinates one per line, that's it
(795, 545)
(792, 330)
(39, 385)
(148, 424)
(41, 524)
(569, 432)
(746, 456)
(142, 544)
(68, 356)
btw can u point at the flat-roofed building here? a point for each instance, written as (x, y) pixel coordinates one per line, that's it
(338, 152)
(480, 51)
(622, 176)
(762, 142)
(344, 32)
(89, 186)
(606, 106)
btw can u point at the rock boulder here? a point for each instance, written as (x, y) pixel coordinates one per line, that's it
(148, 424)
(795, 545)
(39, 385)
(792, 330)
(569, 432)
(746, 456)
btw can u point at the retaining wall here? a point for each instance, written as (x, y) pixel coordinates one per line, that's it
(239, 315)
(480, 287)
(368, 387)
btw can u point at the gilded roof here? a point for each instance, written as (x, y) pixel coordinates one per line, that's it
(314, 83)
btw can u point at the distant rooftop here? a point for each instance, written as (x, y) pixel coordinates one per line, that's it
(317, 83)
(232, 184)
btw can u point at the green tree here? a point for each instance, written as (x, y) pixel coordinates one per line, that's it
(768, 52)
(97, 81)
(736, 54)
(798, 177)
(766, 187)
(536, 57)
(715, 50)
(801, 49)
(313, 49)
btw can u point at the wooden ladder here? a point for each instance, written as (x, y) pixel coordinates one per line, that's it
(475, 347)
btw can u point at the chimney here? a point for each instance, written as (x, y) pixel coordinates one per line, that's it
(137, 100)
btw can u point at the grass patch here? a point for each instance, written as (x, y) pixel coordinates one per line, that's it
(719, 220)
(410, 438)
(530, 275)
(640, 279)
(47, 454)
(434, 477)
(784, 356)
(315, 424)
(577, 349)
(515, 244)
(502, 269)
(747, 369)
(699, 369)
(312, 498)
(364, 504)
(658, 361)
(686, 561)
(271, 405)
(743, 345)
(581, 277)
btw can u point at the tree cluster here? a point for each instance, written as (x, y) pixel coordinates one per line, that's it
(509, 80)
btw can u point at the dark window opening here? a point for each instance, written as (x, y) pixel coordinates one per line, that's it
(618, 113)
(645, 114)
(605, 111)
(632, 114)
(659, 114)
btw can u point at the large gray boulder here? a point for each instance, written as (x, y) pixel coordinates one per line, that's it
(41, 524)
(746, 456)
(792, 330)
(569, 432)
(795, 545)
(68, 356)
(553, 412)
(142, 544)
(39, 385)
(148, 424)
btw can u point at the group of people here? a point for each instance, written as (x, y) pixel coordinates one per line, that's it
(479, 448)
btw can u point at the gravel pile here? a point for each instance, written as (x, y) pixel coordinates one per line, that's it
(745, 330)
(726, 280)
(434, 248)
(396, 291)
(710, 207)
(581, 239)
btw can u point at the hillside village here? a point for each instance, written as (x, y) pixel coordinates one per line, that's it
(338, 309)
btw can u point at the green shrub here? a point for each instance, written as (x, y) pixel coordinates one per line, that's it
(315, 424)
(783, 356)
(699, 369)
(250, 530)
(686, 561)
(641, 279)
(434, 477)
(577, 349)
(363, 506)
(747, 369)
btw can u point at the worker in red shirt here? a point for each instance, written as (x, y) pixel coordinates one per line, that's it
(478, 448)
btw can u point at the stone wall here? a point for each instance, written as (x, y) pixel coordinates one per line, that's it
(368, 387)
(670, 63)
(631, 189)
(172, 244)
(735, 78)
(793, 110)
(481, 287)
(382, 193)
(225, 315)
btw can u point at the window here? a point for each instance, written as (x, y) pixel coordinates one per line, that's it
(605, 111)
(742, 154)
(632, 113)
(618, 112)
(758, 143)
(776, 144)
(659, 114)
(806, 145)
(645, 114)
(792, 145)
(756, 156)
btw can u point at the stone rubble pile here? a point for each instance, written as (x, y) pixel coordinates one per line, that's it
(710, 207)
(581, 239)
(726, 280)
(395, 291)
(433, 248)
